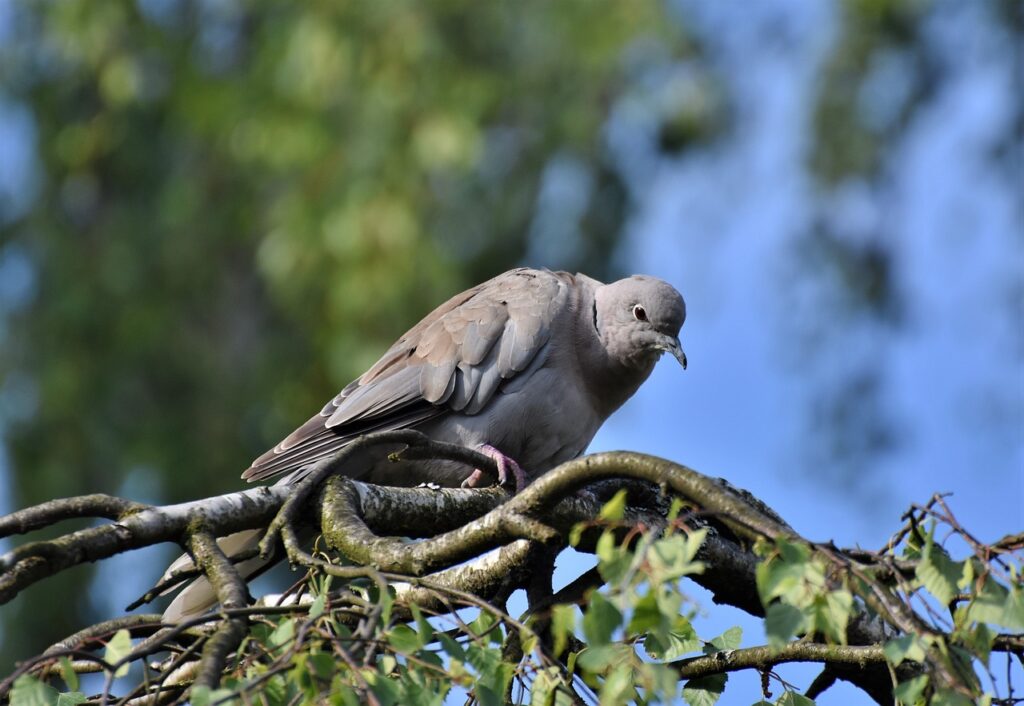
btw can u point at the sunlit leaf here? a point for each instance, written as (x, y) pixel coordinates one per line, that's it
(613, 561)
(404, 639)
(545, 682)
(618, 685)
(118, 647)
(68, 674)
(600, 620)
(832, 613)
(783, 621)
(563, 622)
(453, 648)
(599, 659)
(791, 698)
(672, 644)
(71, 698)
(728, 640)
(29, 691)
(615, 509)
(909, 692)
(946, 697)
(704, 691)
(938, 573)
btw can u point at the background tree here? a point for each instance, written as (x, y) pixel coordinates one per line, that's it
(215, 214)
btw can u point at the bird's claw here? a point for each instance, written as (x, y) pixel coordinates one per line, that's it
(507, 468)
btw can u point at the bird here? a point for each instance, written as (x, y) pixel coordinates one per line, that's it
(524, 367)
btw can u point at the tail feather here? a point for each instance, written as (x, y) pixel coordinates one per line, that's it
(198, 596)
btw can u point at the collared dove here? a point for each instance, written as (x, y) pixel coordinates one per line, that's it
(525, 367)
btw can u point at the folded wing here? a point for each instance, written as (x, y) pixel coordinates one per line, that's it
(454, 360)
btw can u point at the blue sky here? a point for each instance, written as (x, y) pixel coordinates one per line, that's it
(727, 224)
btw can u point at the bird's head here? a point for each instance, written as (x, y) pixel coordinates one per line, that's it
(638, 318)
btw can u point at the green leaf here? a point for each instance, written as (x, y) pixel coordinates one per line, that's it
(563, 622)
(484, 626)
(576, 533)
(484, 660)
(283, 634)
(615, 509)
(672, 644)
(979, 640)
(423, 628)
(528, 641)
(451, 646)
(909, 692)
(704, 691)
(793, 552)
(342, 694)
(274, 693)
(943, 697)
(322, 665)
(387, 690)
(694, 541)
(492, 684)
(404, 639)
(777, 578)
(386, 663)
(316, 608)
(904, 648)
(1013, 610)
(791, 698)
(71, 698)
(618, 686)
(545, 683)
(670, 601)
(29, 691)
(782, 621)
(601, 620)
(938, 573)
(646, 615)
(613, 561)
(597, 660)
(660, 682)
(119, 647)
(674, 509)
(68, 674)
(671, 557)
(831, 614)
(996, 605)
(729, 640)
(204, 695)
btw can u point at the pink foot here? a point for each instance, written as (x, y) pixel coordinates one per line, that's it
(506, 467)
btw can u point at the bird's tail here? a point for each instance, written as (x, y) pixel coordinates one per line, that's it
(198, 596)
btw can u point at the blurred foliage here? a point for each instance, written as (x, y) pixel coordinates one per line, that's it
(241, 204)
(887, 65)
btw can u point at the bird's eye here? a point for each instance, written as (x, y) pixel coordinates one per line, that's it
(639, 313)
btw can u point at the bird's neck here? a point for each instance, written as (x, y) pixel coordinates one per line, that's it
(615, 369)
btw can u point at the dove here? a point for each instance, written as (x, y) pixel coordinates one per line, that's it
(525, 368)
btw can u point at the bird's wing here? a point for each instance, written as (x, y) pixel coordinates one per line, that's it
(455, 359)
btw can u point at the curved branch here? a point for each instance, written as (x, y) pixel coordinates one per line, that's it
(29, 563)
(231, 593)
(48, 513)
(765, 657)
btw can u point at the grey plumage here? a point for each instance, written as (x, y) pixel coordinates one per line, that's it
(530, 363)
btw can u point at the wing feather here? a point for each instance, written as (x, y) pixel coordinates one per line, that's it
(455, 359)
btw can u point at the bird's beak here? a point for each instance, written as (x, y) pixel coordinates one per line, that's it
(670, 344)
